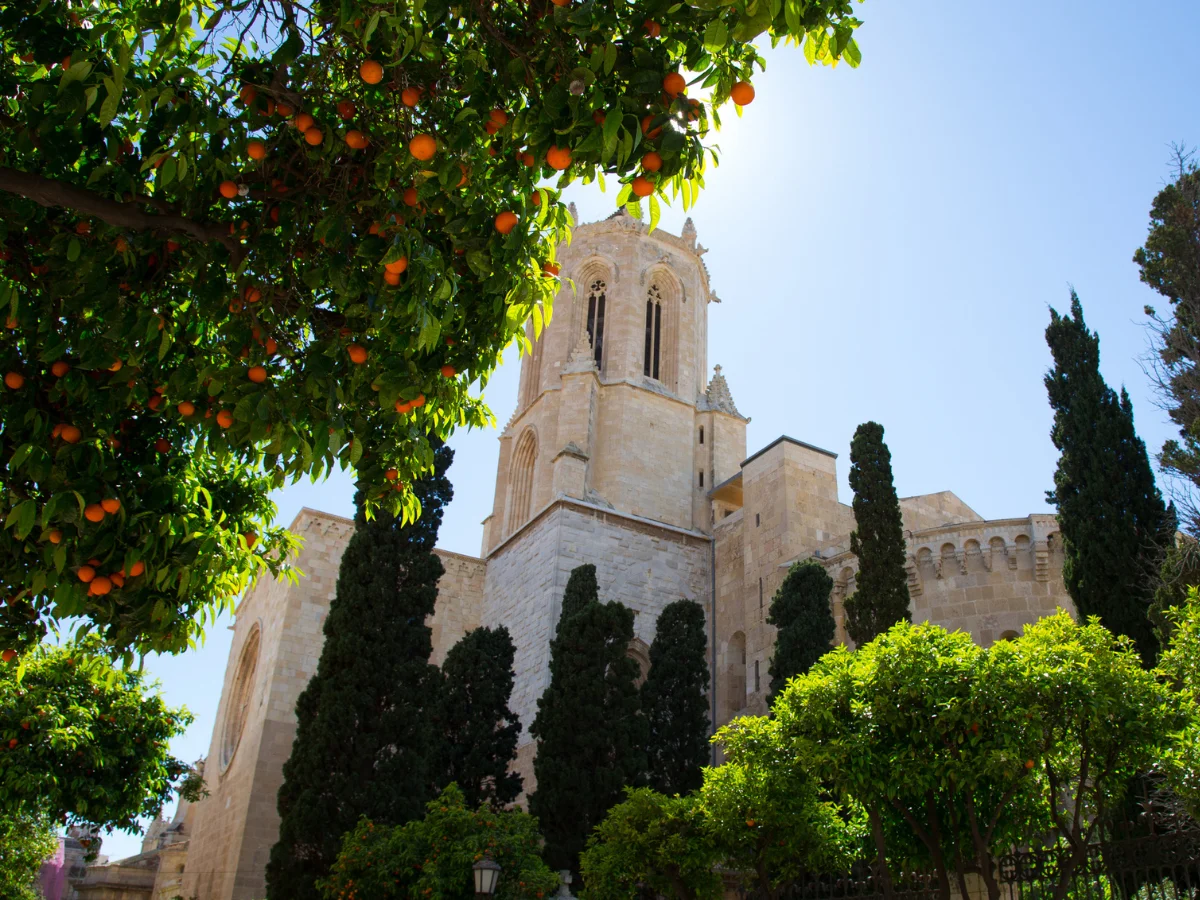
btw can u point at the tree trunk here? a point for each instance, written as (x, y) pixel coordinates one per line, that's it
(885, 877)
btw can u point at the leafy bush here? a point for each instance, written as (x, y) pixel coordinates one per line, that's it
(25, 843)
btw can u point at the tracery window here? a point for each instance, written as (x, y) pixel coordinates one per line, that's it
(662, 315)
(652, 367)
(595, 318)
(521, 482)
(240, 695)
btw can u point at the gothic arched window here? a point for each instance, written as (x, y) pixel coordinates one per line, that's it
(660, 335)
(595, 318)
(240, 695)
(521, 480)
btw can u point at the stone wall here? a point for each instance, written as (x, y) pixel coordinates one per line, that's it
(459, 601)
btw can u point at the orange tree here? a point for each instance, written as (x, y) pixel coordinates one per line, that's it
(248, 241)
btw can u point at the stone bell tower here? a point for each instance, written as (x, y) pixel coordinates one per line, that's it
(614, 445)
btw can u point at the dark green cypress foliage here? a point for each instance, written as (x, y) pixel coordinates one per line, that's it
(674, 700)
(477, 729)
(801, 612)
(363, 736)
(1111, 514)
(590, 731)
(880, 599)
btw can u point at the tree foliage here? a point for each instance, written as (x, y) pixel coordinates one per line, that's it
(675, 699)
(880, 598)
(803, 617)
(364, 735)
(477, 731)
(84, 743)
(200, 205)
(26, 841)
(1114, 524)
(1035, 737)
(1169, 262)
(1181, 663)
(431, 857)
(590, 731)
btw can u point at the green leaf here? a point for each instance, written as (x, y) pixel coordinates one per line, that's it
(19, 457)
(655, 212)
(73, 249)
(610, 58)
(112, 102)
(852, 55)
(716, 36)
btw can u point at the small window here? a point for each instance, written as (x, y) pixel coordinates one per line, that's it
(701, 478)
(702, 434)
(757, 683)
(760, 595)
(757, 520)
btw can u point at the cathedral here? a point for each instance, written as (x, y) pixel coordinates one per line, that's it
(623, 451)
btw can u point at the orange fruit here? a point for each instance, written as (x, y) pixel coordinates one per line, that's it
(355, 139)
(55, 536)
(251, 539)
(420, 401)
(110, 505)
(559, 158)
(251, 294)
(270, 106)
(162, 445)
(117, 579)
(85, 573)
(646, 128)
(551, 268)
(561, 2)
(491, 127)
(155, 402)
(499, 116)
(742, 93)
(422, 147)
(71, 434)
(652, 162)
(8, 656)
(346, 109)
(271, 346)
(1029, 763)
(121, 244)
(398, 266)
(358, 354)
(14, 380)
(314, 135)
(599, 116)
(256, 150)
(257, 374)
(391, 474)
(410, 197)
(186, 408)
(229, 190)
(642, 186)
(224, 418)
(506, 222)
(392, 278)
(248, 93)
(371, 72)
(403, 408)
(674, 84)
(136, 569)
(410, 96)
(652, 28)
(284, 109)
(449, 371)
(536, 198)
(100, 585)
(83, 227)
(94, 512)
(303, 122)
(116, 366)
(10, 323)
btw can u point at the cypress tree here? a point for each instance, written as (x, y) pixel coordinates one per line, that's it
(675, 702)
(590, 731)
(363, 735)
(1111, 514)
(801, 612)
(477, 729)
(881, 597)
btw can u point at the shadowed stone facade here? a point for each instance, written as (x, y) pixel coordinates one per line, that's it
(625, 453)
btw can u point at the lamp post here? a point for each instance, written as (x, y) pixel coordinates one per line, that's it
(487, 873)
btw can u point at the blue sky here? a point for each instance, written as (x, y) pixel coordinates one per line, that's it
(886, 242)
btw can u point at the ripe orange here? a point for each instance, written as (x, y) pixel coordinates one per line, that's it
(358, 354)
(371, 72)
(527, 159)
(224, 418)
(71, 434)
(136, 569)
(536, 198)
(646, 122)
(1029, 763)
(462, 180)
(85, 573)
(559, 157)
(551, 268)
(251, 294)
(251, 539)
(162, 445)
(14, 380)
(270, 107)
(155, 402)
(392, 278)
(499, 116)
(116, 366)
(121, 244)
(284, 109)
(652, 28)
(403, 408)
(652, 162)
(674, 84)
(229, 190)
(303, 122)
(8, 656)
(110, 505)
(420, 401)
(449, 371)
(422, 147)
(94, 512)
(355, 139)
(257, 374)
(506, 222)
(100, 585)
(256, 150)
(346, 109)
(314, 136)
(642, 186)
(599, 116)
(410, 196)
(117, 579)
(742, 93)
(398, 266)
(491, 127)
(391, 474)
(248, 93)
(83, 227)
(410, 96)
(271, 346)
(55, 536)
(186, 408)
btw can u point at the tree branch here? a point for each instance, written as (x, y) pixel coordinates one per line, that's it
(57, 194)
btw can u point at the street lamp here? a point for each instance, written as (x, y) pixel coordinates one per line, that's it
(487, 873)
